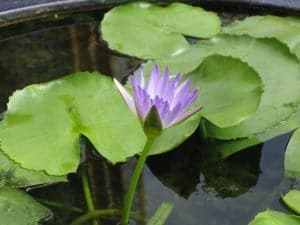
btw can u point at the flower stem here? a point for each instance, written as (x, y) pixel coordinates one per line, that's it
(87, 194)
(134, 181)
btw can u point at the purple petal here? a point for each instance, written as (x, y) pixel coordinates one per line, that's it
(142, 79)
(134, 81)
(184, 87)
(165, 110)
(181, 92)
(184, 116)
(176, 79)
(126, 96)
(172, 115)
(154, 79)
(171, 88)
(163, 83)
(144, 104)
(190, 98)
(159, 104)
(135, 87)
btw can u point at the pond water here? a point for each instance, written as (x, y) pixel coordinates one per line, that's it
(204, 189)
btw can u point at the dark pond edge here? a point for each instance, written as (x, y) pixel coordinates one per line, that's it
(24, 10)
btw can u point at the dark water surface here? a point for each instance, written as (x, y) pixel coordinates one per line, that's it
(204, 189)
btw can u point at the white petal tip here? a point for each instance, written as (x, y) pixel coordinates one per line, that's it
(126, 96)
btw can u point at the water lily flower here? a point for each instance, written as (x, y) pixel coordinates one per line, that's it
(163, 95)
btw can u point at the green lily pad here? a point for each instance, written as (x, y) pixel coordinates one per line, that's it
(175, 135)
(270, 217)
(13, 175)
(230, 90)
(285, 29)
(43, 122)
(292, 200)
(148, 31)
(18, 208)
(281, 94)
(292, 154)
(229, 147)
(223, 104)
(184, 63)
(270, 59)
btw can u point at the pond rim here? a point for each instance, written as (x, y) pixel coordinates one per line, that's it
(32, 9)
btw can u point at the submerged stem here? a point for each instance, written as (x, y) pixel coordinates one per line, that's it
(100, 213)
(134, 181)
(87, 194)
(61, 205)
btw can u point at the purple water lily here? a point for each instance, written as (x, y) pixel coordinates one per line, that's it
(170, 98)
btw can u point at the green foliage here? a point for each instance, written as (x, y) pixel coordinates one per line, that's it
(43, 122)
(230, 147)
(229, 92)
(292, 200)
(285, 29)
(292, 155)
(13, 175)
(18, 208)
(271, 217)
(270, 59)
(148, 31)
(175, 135)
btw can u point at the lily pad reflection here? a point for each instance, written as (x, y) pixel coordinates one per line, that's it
(182, 170)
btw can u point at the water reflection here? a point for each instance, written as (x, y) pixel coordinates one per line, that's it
(181, 169)
(50, 53)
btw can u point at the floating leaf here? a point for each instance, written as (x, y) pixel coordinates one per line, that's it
(285, 29)
(148, 31)
(292, 200)
(230, 147)
(270, 59)
(292, 155)
(13, 175)
(229, 90)
(184, 63)
(270, 217)
(280, 74)
(18, 208)
(175, 135)
(43, 122)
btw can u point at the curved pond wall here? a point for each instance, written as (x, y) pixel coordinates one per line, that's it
(20, 10)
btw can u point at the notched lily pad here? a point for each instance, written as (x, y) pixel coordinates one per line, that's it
(43, 122)
(270, 59)
(148, 31)
(230, 90)
(18, 208)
